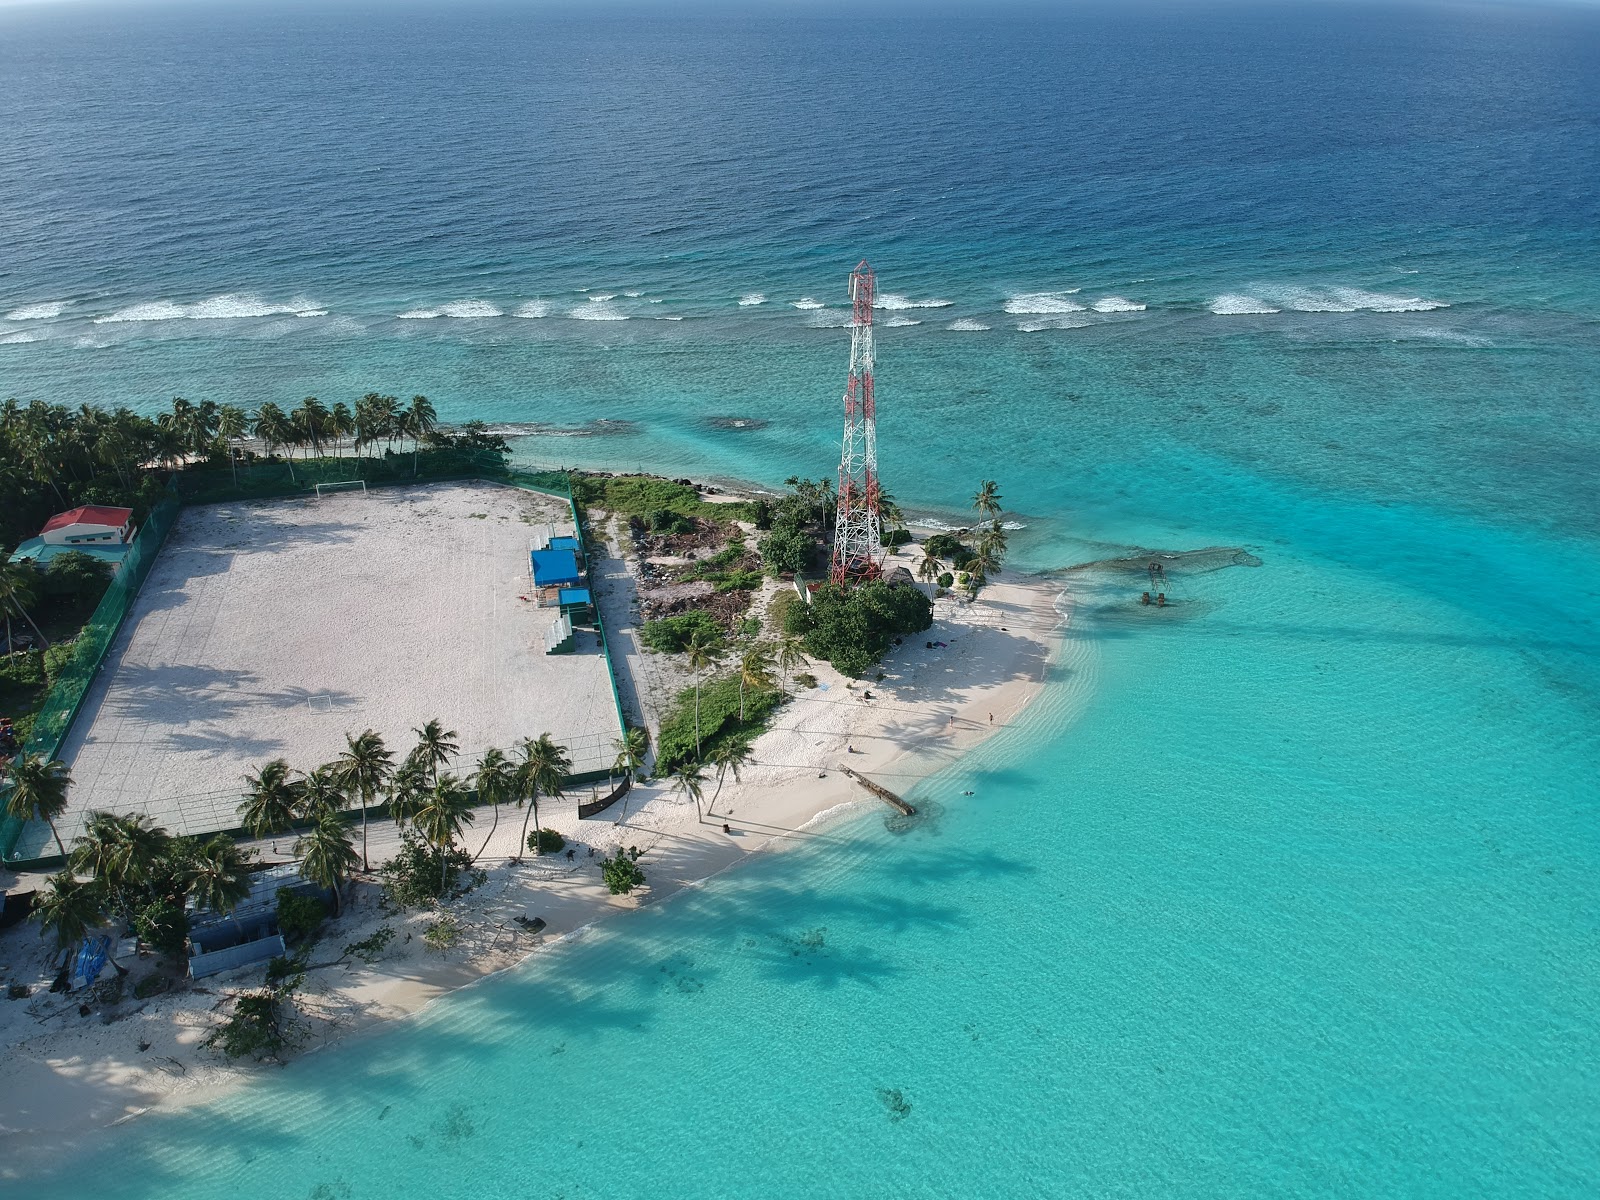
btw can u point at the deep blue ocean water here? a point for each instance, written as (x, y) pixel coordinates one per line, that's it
(1293, 894)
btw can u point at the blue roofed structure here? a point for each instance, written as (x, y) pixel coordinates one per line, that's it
(555, 568)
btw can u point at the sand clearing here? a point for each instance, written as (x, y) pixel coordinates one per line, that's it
(269, 630)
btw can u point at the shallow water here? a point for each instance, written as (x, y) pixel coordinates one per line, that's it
(1285, 890)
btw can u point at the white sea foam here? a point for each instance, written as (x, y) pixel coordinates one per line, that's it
(231, 306)
(16, 339)
(751, 299)
(829, 318)
(1347, 300)
(533, 309)
(891, 302)
(599, 310)
(664, 318)
(901, 322)
(38, 312)
(1235, 304)
(1116, 304)
(1039, 303)
(419, 314)
(471, 309)
(806, 302)
(602, 297)
(1052, 321)
(633, 295)
(967, 325)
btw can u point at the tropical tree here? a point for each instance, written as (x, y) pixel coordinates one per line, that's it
(341, 424)
(545, 765)
(18, 584)
(987, 500)
(321, 792)
(365, 766)
(420, 421)
(271, 799)
(689, 780)
(273, 427)
(39, 789)
(702, 652)
(436, 746)
(728, 757)
(755, 671)
(124, 854)
(69, 908)
(495, 780)
(311, 423)
(232, 425)
(443, 813)
(216, 872)
(791, 654)
(631, 748)
(407, 786)
(327, 855)
(930, 568)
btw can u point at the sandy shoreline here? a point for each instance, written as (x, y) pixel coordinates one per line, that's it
(64, 1076)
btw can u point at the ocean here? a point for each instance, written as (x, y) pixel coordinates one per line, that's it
(1291, 892)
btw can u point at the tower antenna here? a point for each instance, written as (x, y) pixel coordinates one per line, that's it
(857, 549)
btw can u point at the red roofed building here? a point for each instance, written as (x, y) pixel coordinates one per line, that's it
(90, 524)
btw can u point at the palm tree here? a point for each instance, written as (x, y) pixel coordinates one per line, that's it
(688, 780)
(327, 855)
(987, 501)
(272, 426)
(232, 425)
(341, 423)
(17, 589)
(322, 792)
(365, 767)
(728, 757)
(930, 568)
(631, 748)
(496, 780)
(701, 652)
(39, 789)
(436, 746)
(421, 420)
(407, 786)
(69, 908)
(217, 874)
(122, 853)
(755, 670)
(271, 799)
(444, 811)
(311, 423)
(791, 654)
(545, 765)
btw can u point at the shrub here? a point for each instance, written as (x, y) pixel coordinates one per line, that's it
(369, 949)
(947, 581)
(621, 874)
(806, 679)
(299, 915)
(671, 635)
(739, 581)
(260, 1027)
(411, 877)
(442, 934)
(56, 659)
(664, 520)
(944, 545)
(164, 926)
(77, 579)
(787, 549)
(719, 720)
(894, 537)
(852, 627)
(546, 841)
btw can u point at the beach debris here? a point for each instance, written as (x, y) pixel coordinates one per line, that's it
(881, 792)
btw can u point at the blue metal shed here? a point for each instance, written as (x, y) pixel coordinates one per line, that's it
(554, 568)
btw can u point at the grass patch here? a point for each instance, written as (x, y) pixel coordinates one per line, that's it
(644, 495)
(670, 635)
(719, 720)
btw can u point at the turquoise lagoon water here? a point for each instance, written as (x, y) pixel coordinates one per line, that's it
(1287, 890)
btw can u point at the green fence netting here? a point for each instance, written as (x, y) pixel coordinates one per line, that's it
(89, 649)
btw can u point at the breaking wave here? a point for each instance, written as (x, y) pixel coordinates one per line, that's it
(1319, 300)
(602, 297)
(751, 299)
(460, 308)
(1062, 321)
(1235, 304)
(967, 325)
(1037, 303)
(38, 312)
(806, 302)
(1116, 304)
(597, 310)
(901, 322)
(232, 306)
(16, 339)
(533, 309)
(892, 302)
(829, 318)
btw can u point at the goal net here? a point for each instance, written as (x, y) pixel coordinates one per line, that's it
(347, 485)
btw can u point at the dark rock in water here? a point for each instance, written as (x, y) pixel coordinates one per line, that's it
(737, 424)
(894, 1100)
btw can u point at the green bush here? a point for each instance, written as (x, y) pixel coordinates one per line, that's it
(737, 581)
(894, 537)
(299, 915)
(77, 579)
(546, 841)
(947, 580)
(164, 926)
(24, 670)
(442, 934)
(259, 1028)
(719, 720)
(664, 520)
(621, 873)
(671, 635)
(787, 549)
(369, 949)
(852, 627)
(57, 657)
(411, 877)
(944, 545)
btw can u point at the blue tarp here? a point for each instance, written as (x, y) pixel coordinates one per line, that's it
(565, 543)
(554, 568)
(574, 596)
(91, 960)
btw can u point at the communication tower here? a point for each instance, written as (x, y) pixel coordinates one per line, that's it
(857, 549)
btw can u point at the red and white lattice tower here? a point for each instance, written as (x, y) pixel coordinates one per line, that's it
(857, 553)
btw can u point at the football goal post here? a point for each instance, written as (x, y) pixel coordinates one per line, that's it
(350, 484)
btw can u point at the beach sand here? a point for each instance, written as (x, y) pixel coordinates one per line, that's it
(64, 1075)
